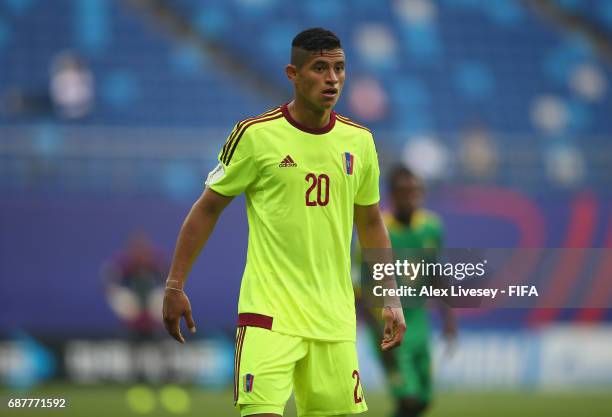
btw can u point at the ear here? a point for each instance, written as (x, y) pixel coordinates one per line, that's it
(291, 71)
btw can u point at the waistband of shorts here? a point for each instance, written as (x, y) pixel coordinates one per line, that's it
(255, 320)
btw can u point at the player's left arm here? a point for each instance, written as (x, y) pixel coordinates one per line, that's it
(372, 234)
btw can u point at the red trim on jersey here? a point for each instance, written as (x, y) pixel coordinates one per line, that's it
(314, 131)
(272, 116)
(255, 320)
(349, 122)
(239, 125)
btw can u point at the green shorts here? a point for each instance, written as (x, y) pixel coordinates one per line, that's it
(269, 365)
(408, 366)
(409, 372)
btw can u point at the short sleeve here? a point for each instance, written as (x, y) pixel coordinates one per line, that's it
(237, 168)
(367, 191)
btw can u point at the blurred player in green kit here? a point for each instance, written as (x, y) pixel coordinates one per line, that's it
(408, 367)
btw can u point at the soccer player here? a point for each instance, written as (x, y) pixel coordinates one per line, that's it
(408, 368)
(308, 174)
(134, 282)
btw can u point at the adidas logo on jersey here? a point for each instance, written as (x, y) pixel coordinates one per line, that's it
(287, 162)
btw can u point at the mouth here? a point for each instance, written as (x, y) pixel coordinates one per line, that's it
(330, 92)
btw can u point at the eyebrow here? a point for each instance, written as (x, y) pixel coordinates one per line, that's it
(321, 61)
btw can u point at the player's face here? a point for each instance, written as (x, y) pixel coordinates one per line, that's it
(407, 195)
(320, 79)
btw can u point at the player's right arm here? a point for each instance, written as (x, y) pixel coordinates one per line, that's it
(236, 171)
(196, 229)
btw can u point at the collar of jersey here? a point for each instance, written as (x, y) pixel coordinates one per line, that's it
(314, 131)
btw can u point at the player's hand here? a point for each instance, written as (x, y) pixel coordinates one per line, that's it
(176, 305)
(395, 327)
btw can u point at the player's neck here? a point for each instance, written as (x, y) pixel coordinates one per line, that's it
(307, 116)
(404, 217)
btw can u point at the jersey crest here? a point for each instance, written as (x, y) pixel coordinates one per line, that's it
(249, 379)
(349, 162)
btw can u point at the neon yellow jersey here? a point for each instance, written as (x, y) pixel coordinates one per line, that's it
(301, 186)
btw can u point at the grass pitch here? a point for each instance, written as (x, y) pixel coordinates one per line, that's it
(126, 401)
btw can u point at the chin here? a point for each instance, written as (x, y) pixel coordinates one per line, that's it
(322, 105)
(326, 105)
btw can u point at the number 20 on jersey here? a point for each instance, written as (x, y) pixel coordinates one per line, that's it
(317, 193)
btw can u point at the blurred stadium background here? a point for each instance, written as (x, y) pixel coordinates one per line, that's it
(112, 113)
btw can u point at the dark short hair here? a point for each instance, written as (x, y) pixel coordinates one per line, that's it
(316, 39)
(397, 172)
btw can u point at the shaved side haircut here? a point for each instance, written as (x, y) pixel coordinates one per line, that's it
(311, 41)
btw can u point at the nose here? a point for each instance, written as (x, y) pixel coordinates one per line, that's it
(332, 77)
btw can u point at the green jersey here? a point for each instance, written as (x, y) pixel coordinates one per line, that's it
(424, 232)
(301, 185)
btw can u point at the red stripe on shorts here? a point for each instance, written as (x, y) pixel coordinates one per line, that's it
(237, 356)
